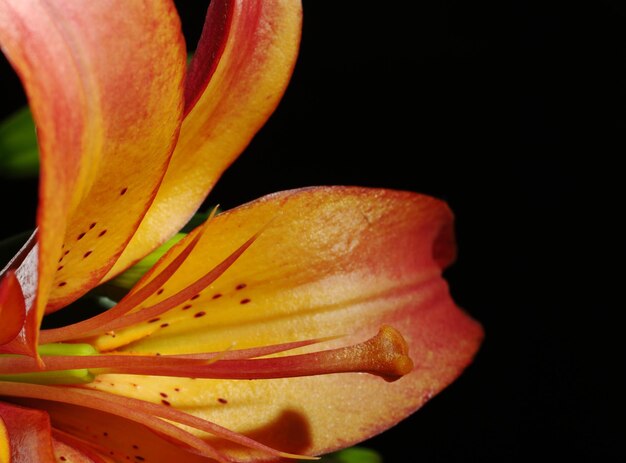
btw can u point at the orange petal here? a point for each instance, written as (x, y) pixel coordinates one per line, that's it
(27, 433)
(105, 84)
(240, 70)
(330, 262)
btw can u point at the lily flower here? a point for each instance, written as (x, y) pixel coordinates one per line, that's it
(298, 324)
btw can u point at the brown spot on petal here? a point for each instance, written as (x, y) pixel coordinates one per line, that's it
(199, 314)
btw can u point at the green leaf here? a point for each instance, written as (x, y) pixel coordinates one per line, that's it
(353, 455)
(198, 219)
(19, 152)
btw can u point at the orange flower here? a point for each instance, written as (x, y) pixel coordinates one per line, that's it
(331, 299)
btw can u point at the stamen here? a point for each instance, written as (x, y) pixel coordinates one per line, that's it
(385, 355)
(146, 413)
(128, 303)
(180, 297)
(118, 317)
(105, 402)
(87, 448)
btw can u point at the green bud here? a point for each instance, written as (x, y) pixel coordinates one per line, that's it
(353, 455)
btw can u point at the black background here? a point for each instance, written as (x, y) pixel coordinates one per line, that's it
(514, 113)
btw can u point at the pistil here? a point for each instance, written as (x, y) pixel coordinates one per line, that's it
(384, 355)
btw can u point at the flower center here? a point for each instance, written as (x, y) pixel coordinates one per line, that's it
(21, 377)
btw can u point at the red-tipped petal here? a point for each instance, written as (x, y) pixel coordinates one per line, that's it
(239, 72)
(333, 261)
(105, 84)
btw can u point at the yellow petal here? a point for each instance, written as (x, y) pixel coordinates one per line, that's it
(329, 262)
(248, 51)
(104, 81)
(5, 443)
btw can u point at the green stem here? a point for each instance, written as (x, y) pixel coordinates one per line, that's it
(78, 376)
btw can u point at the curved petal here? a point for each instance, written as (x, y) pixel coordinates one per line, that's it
(104, 81)
(329, 262)
(240, 70)
(28, 434)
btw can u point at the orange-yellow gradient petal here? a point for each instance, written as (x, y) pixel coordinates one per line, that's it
(241, 68)
(328, 262)
(105, 83)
